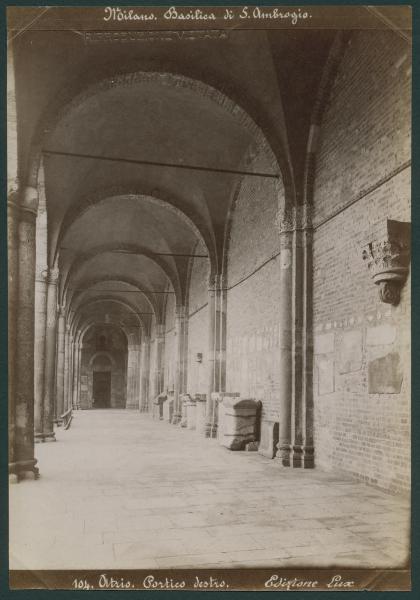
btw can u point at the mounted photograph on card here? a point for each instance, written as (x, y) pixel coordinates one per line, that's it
(209, 216)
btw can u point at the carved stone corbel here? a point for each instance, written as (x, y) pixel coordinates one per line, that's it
(388, 260)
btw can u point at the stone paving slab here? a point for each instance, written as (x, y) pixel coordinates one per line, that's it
(119, 490)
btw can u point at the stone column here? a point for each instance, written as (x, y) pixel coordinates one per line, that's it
(79, 376)
(12, 249)
(160, 357)
(24, 459)
(60, 365)
(286, 324)
(181, 328)
(76, 367)
(212, 367)
(222, 321)
(302, 399)
(71, 372)
(144, 374)
(66, 368)
(133, 360)
(50, 357)
(41, 289)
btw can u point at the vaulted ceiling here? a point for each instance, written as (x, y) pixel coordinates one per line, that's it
(121, 229)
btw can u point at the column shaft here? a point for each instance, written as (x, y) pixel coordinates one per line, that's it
(60, 365)
(144, 374)
(24, 464)
(181, 328)
(50, 357)
(133, 360)
(75, 374)
(71, 373)
(66, 371)
(212, 371)
(12, 249)
(286, 324)
(160, 357)
(41, 290)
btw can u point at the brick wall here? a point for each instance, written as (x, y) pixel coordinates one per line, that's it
(362, 360)
(198, 324)
(252, 349)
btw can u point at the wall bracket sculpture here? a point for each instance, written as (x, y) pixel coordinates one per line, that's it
(388, 260)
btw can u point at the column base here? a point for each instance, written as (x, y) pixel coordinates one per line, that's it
(303, 457)
(24, 469)
(176, 418)
(132, 406)
(210, 430)
(45, 437)
(283, 455)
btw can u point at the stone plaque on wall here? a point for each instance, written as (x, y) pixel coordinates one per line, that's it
(325, 376)
(350, 356)
(324, 343)
(269, 438)
(385, 375)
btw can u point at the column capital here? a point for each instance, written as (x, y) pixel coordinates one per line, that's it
(388, 260)
(41, 274)
(29, 200)
(53, 275)
(160, 329)
(217, 282)
(294, 218)
(181, 312)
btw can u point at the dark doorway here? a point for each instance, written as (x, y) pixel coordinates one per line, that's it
(101, 389)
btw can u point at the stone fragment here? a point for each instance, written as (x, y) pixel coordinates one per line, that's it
(251, 447)
(380, 335)
(324, 343)
(269, 438)
(350, 352)
(200, 413)
(325, 376)
(240, 420)
(385, 375)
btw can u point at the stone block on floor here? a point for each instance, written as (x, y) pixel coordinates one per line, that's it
(269, 438)
(240, 422)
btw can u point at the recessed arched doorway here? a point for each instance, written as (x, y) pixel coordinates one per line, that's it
(103, 372)
(101, 381)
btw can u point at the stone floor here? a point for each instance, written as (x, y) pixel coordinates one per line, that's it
(119, 490)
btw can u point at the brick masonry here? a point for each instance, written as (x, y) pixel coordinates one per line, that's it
(252, 348)
(362, 357)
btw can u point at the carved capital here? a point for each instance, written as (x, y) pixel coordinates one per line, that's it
(181, 312)
(29, 201)
(41, 274)
(286, 219)
(292, 218)
(53, 275)
(388, 260)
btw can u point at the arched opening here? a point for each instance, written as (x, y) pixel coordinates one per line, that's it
(103, 372)
(186, 243)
